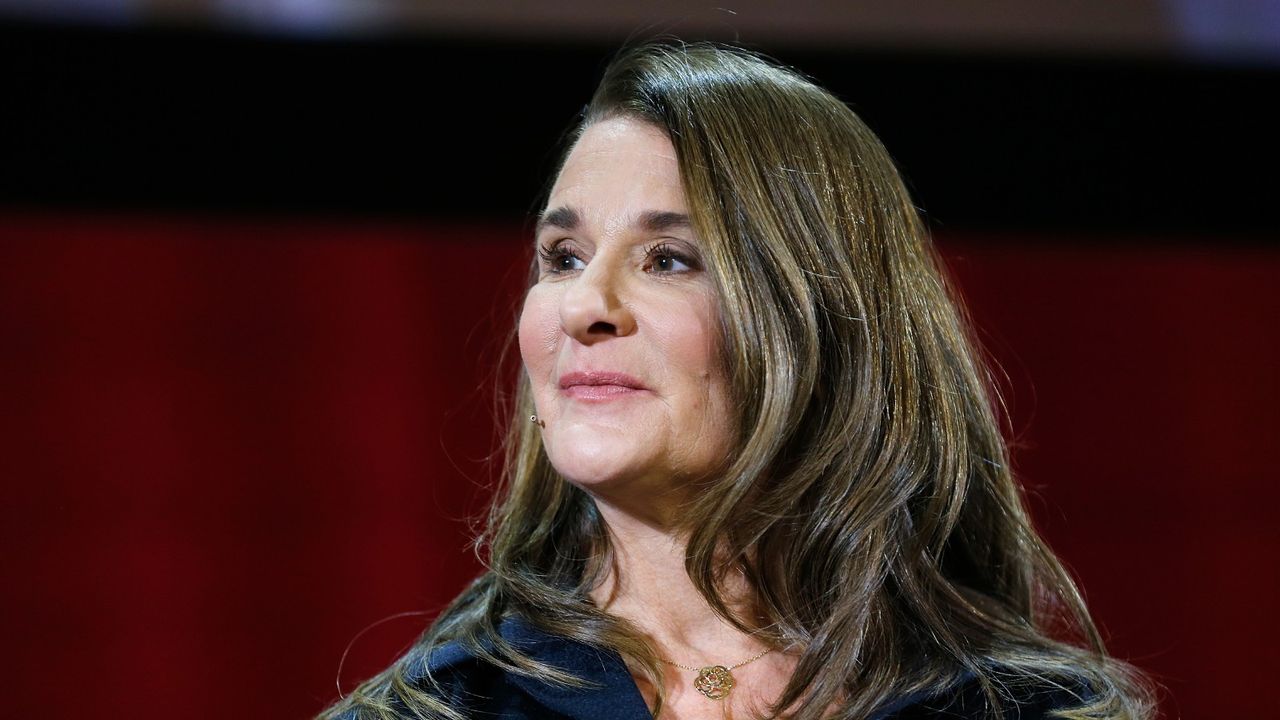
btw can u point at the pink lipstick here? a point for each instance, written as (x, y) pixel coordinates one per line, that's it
(594, 385)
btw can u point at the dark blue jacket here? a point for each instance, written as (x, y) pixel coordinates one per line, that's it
(484, 691)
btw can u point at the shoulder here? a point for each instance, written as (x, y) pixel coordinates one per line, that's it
(462, 678)
(1023, 699)
(467, 678)
(472, 663)
(435, 681)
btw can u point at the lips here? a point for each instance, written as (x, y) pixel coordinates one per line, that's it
(593, 385)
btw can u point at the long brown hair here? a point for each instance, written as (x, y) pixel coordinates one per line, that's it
(869, 500)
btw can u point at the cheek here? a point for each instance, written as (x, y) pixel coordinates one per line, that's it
(696, 338)
(706, 416)
(692, 347)
(538, 332)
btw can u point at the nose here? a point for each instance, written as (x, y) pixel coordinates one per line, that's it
(592, 308)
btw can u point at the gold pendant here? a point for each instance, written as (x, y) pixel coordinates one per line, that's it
(714, 681)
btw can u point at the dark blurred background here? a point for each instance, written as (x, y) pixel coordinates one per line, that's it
(259, 261)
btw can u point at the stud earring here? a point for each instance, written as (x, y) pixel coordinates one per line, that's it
(534, 419)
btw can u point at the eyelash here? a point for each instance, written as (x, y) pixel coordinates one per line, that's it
(554, 254)
(665, 250)
(551, 256)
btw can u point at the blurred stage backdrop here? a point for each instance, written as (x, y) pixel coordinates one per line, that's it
(259, 262)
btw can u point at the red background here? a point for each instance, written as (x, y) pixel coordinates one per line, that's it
(229, 446)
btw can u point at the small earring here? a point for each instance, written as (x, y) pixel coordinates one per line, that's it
(534, 419)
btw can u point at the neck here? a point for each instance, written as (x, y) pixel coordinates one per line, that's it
(648, 586)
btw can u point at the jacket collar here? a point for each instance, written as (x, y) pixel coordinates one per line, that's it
(613, 693)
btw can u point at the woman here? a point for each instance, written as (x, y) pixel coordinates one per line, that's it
(755, 468)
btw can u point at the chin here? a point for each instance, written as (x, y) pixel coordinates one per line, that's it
(593, 457)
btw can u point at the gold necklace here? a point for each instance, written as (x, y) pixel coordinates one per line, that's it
(715, 681)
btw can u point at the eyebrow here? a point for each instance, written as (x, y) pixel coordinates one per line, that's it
(565, 218)
(654, 221)
(661, 220)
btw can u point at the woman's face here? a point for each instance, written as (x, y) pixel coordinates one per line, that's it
(619, 335)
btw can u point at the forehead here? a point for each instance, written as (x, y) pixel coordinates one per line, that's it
(619, 165)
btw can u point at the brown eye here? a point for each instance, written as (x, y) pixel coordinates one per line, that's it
(560, 259)
(664, 259)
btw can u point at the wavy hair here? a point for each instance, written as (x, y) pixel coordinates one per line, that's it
(869, 499)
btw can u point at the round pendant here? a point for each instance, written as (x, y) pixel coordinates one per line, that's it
(714, 681)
